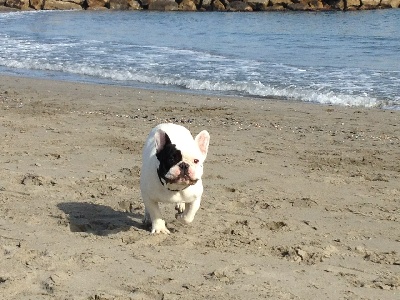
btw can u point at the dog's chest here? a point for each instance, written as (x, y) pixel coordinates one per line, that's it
(187, 195)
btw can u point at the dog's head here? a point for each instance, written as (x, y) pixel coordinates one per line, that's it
(182, 165)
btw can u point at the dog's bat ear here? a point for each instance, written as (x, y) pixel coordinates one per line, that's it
(203, 140)
(161, 138)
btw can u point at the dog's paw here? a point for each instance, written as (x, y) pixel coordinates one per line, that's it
(180, 207)
(159, 227)
(183, 218)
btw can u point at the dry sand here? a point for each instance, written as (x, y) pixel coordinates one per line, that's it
(301, 201)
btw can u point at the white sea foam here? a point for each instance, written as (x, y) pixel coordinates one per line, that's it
(257, 89)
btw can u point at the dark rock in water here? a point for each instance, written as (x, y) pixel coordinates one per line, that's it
(353, 4)
(302, 6)
(239, 6)
(18, 4)
(188, 5)
(124, 5)
(335, 4)
(390, 3)
(283, 3)
(95, 4)
(259, 5)
(163, 5)
(370, 4)
(218, 5)
(36, 4)
(205, 5)
(61, 5)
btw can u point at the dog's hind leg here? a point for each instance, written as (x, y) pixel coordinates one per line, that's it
(190, 211)
(180, 207)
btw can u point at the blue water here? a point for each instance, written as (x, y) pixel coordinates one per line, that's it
(338, 58)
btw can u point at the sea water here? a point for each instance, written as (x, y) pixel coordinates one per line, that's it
(339, 58)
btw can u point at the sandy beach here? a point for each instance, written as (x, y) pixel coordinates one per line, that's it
(301, 201)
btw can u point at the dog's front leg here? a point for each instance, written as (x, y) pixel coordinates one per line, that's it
(157, 223)
(190, 211)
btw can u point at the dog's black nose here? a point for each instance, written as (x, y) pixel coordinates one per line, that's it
(184, 167)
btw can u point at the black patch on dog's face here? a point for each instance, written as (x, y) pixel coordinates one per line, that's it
(168, 157)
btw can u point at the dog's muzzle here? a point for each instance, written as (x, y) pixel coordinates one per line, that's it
(183, 180)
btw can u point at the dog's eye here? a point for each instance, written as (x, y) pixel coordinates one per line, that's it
(196, 161)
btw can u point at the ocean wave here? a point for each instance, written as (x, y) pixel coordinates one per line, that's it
(243, 88)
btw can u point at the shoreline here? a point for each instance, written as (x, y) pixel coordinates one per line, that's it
(300, 200)
(208, 93)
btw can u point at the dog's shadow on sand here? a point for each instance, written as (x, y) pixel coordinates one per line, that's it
(98, 219)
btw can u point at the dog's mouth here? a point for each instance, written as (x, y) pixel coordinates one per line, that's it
(182, 180)
(176, 183)
(180, 183)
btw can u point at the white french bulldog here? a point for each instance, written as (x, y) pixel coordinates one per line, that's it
(172, 168)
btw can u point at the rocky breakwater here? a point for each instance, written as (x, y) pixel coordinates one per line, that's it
(198, 5)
